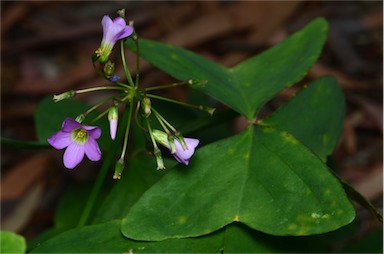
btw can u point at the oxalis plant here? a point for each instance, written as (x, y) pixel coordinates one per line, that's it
(265, 189)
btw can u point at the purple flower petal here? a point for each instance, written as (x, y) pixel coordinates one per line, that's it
(127, 31)
(112, 32)
(73, 155)
(60, 140)
(106, 22)
(119, 21)
(93, 131)
(182, 155)
(181, 160)
(113, 128)
(115, 30)
(77, 146)
(92, 150)
(121, 28)
(70, 124)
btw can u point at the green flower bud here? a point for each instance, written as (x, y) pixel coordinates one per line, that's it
(159, 159)
(80, 118)
(63, 96)
(109, 69)
(121, 13)
(147, 106)
(160, 137)
(119, 168)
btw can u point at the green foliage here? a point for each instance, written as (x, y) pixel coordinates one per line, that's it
(249, 85)
(307, 116)
(263, 177)
(138, 178)
(12, 243)
(244, 193)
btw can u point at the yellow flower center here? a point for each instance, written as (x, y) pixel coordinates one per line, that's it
(80, 135)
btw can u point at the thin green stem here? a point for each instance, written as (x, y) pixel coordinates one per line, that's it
(200, 107)
(100, 116)
(127, 72)
(101, 74)
(137, 119)
(136, 39)
(156, 150)
(123, 84)
(160, 120)
(86, 90)
(125, 144)
(89, 206)
(150, 134)
(157, 114)
(99, 104)
(167, 86)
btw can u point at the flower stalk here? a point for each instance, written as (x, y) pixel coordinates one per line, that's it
(125, 66)
(127, 128)
(200, 107)
(80, 140)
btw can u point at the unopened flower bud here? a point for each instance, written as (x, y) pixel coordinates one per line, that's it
(113, 117)
(160, 137)
(80, 118)
(147, 106)
(118, 168)
(159, 159)
(63, 96)
(121, 13)
(109, 69)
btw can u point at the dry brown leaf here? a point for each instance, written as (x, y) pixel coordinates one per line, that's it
(17, 181)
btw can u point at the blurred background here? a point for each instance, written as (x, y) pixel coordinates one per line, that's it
(46, 49)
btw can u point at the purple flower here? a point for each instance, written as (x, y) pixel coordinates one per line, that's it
(182, 155)
(78, 140)
(113, 30)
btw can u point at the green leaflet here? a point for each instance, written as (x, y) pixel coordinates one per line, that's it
(314, 116)
(235, 238)
(106, 238)
(249, 85)
(140, 174)
(263, 177)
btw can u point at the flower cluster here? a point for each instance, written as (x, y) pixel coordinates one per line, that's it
(80, 140)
